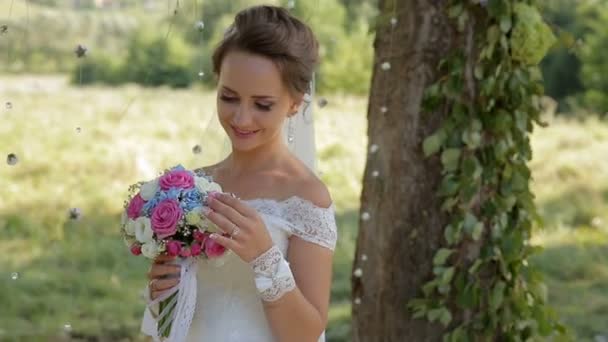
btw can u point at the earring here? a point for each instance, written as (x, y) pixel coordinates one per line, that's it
(290, 130)
(307, 101)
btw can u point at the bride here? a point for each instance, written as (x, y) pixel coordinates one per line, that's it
(275, 285)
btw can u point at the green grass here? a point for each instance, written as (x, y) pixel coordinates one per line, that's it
(79, 272)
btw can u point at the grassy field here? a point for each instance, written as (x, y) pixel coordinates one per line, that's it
(81, 148)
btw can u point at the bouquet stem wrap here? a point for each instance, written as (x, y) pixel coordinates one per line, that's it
(176, 307)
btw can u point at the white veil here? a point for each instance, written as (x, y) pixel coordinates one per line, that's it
(302, 128)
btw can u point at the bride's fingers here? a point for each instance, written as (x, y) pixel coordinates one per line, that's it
(163, 284)
(159, 270)
(221, 221)
(229, 212)
(224, 241)
(163, 258)
(236, 204)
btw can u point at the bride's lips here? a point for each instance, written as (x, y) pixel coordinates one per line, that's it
(244, 134)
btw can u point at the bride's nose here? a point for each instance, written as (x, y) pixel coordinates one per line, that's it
(242, 117)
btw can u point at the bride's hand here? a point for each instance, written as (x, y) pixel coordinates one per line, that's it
(163, 275)
(247, 234)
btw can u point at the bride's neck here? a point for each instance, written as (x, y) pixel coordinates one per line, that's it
(262, 158)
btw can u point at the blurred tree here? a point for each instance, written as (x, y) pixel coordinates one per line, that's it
(340, 68)
(561, 68)
(154, 60)
(214, 13)
(594, 57)
(358, 10)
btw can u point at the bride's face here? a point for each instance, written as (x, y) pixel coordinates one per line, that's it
(252, 101)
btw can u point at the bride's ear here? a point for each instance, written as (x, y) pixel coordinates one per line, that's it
(295, 104)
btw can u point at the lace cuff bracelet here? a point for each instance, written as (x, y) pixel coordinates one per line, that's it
(273, 277)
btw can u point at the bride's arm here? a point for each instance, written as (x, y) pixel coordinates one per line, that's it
(295, 288)
(301, 314)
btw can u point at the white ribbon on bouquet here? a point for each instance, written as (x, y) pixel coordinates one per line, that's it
(185, 302)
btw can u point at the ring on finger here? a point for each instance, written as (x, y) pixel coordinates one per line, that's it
(151, 284)
(235, 231)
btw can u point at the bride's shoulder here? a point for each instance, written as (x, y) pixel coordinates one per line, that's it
(312, 189)
(311, 213)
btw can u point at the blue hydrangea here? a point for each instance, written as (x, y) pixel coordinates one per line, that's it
(178, 167)
(191, 199)
(160, 196)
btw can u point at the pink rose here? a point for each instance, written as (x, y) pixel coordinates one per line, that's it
(196, 249)
(176, 179)
(134, 208)
(173, 248)
(185, 252)
(199, 236)
(136, 249)
(165, 217)
(213, 249)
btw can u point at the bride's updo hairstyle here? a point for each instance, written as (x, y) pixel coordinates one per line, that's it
(274, 33)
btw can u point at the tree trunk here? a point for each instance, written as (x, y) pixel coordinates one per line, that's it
(401, 224)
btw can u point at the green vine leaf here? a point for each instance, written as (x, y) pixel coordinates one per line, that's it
(505, 23)
(450, 158)
(447, 275)
(445, 318)
(452, 234)
(432, 144)
(441, 314)
(477, 231)
(441, 256)
(475, 266)
(497, 296)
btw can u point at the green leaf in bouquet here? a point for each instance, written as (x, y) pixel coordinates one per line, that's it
(163, 321)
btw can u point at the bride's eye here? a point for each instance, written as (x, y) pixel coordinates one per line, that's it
(264, 107)
(228, 98)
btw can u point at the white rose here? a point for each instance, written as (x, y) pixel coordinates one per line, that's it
(214, 187)
(150, 249)
(130, 227)
(143, 229)
(148, 190)
(201, 183)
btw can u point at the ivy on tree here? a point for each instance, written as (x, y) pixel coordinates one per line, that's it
(482, 274)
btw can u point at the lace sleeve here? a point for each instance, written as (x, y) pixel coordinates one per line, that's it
(312, 223)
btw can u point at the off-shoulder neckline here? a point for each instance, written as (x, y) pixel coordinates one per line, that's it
(289, 199)
(292, 198)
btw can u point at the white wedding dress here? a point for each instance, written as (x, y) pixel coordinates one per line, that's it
(228, 307)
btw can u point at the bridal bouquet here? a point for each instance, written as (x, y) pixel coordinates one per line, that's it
(164, 216)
